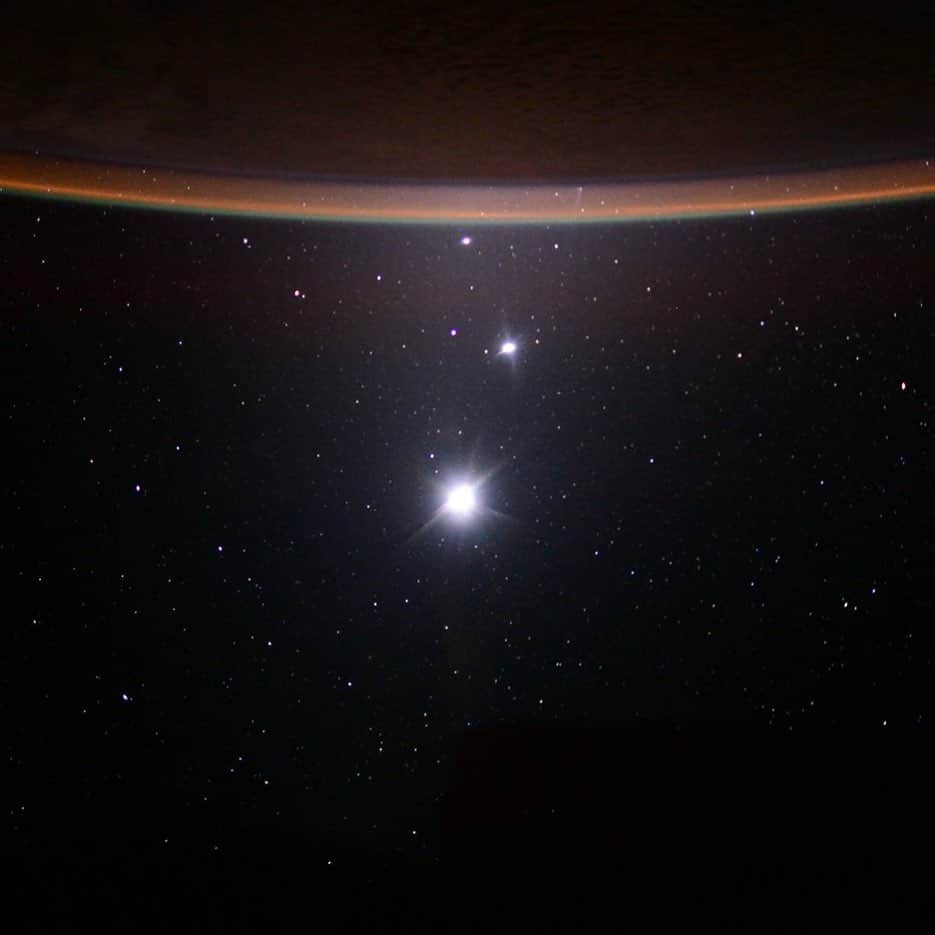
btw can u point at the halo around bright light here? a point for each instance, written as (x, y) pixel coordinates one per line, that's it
(461, 501)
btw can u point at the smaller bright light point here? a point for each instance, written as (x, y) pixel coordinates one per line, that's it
(466, 241)
(461, 501)
(508, 347)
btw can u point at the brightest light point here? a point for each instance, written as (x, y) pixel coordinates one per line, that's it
(461, 501)
(508, 347)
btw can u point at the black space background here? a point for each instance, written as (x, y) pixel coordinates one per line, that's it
(710, 457)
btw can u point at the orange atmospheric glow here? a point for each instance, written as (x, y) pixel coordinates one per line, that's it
(416, 202)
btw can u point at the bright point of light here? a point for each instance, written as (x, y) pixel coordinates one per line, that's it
(466, 241)
(462, 501)
(508, 347)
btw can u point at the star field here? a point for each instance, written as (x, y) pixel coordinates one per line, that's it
(679, 474)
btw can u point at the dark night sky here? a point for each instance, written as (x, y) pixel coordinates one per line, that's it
(240, 625)
(710, 471)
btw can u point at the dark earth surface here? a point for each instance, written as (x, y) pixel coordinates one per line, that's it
(471, 90)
